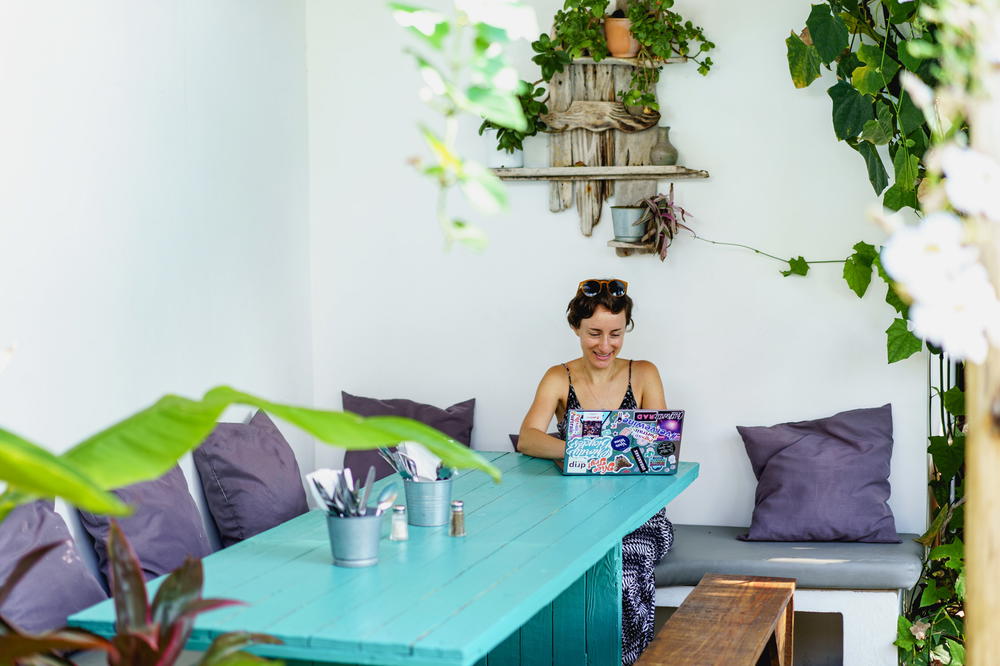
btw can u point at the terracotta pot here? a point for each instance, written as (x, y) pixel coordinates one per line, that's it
(618, 33)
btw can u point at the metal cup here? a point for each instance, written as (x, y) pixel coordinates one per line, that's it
(428, 502)
(354, 540)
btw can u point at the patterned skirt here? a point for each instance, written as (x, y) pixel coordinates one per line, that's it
(641, 551)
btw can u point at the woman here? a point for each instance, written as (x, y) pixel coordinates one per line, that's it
(600, 314)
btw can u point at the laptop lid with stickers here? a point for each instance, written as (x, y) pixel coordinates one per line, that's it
(623, 441)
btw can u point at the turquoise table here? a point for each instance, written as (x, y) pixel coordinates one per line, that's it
(536, 581)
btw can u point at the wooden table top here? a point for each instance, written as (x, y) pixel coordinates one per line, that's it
(433, 599)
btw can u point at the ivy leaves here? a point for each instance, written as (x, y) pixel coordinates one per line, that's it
(803, 61)
(828, 32)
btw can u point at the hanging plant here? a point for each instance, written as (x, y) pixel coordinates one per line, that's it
(663, 219)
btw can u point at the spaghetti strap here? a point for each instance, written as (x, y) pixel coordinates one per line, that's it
(629, 373)
(570, 376)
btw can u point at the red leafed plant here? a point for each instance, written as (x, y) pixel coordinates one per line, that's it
(663, 218)
(147, 635)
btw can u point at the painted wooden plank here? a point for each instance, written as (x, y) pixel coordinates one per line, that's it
(522, 584)
(560, 151)
(536, 639)
(569, 627)
(575, 173)
(507, 653)
(604, 609)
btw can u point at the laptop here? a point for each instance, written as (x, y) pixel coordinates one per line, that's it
(623, 441)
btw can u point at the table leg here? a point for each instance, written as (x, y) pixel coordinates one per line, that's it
(604, 609)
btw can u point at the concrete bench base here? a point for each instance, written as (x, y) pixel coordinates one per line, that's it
(869, 618)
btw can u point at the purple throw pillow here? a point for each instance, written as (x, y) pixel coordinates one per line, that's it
(250, 478)
(164, 529)
(455, 421)
(59, 584)
(823, 480)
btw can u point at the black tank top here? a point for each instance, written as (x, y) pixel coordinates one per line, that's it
(572, 402)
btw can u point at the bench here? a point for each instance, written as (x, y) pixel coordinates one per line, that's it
(728, 621)
(863, 582)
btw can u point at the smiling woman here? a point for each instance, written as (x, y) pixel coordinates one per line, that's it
(600, 314)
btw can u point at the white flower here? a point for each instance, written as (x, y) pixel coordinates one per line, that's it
(954, 303)
(962, 317)
(972, 181)
(921, 257)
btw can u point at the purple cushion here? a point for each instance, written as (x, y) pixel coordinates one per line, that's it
(823, 480)
(59, 585)
(455, 421)
(165, 528)
(250, 478)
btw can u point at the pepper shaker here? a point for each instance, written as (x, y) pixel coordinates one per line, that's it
(400, 531)
(457, 519)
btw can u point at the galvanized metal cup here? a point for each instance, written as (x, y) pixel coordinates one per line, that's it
(354, 540)
(428, 502)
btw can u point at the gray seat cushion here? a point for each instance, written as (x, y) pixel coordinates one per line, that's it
(701, 549)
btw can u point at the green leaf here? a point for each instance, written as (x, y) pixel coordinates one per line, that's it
(960, 585)
(928, 537)
(803, 61)
(904, 637)
(796, 266)
(828, 32)
(952, 553)
(922, 49)
(934, 593)
(29, 468)
(858, 268)
(909, 61)
(948, 458)
(878, 71)
(939, 655)
(910, 117)
(901, 343)
(497, 106)
(957, 651)
(906, 167)
(896, 197)
(147, 444)
(851, 110)
(893, 298)
(873, 161)
(483, 189)
(954, 401)
(879, 130)
(230, 644)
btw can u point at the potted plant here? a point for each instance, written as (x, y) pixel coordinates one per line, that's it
(663, 218)
(147, 634)
(658, 34)
(511, 140)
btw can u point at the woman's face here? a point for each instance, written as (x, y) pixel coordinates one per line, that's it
(601, 336)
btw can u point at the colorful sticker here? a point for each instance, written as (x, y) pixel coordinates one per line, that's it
(620, 443)
(639, 459)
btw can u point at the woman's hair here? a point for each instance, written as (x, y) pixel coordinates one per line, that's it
(582, 307)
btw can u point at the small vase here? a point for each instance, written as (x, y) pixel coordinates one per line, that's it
(663, 152)
(624, 222)
(618, 34)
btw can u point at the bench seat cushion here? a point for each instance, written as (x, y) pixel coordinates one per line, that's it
(701, 549)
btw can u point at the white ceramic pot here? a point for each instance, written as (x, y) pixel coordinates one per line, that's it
(623, 220)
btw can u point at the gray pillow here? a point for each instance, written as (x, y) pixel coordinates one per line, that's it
(165, 528)
(250, 478)
(455, 421)
(59, 584)
(823, 480)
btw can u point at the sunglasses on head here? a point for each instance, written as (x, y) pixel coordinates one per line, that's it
(591, 288)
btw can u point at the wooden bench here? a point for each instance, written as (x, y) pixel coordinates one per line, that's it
(860, 582)
(729, 621)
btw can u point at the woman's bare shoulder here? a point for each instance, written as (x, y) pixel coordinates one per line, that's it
(644, 369)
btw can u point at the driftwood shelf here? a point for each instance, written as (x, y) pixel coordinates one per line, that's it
(574, 173)
(623, 249)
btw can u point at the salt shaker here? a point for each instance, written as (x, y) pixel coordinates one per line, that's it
(457, 519)
(400, 531)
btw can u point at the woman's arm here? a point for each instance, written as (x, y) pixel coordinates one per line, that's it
(532, 439)
(650, 386)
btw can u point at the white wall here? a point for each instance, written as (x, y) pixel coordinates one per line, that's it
(153, 208)
(397, 316)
